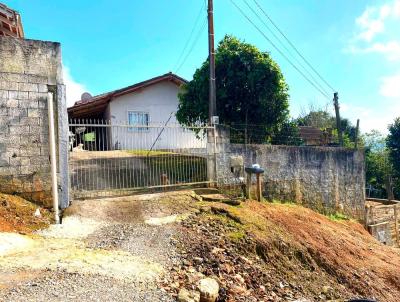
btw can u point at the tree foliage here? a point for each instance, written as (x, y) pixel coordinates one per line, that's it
(322, 119)
(250, 89)
(319, 118)
(393, 144)
(377, 163)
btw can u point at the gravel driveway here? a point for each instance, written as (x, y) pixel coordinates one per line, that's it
(106, 250)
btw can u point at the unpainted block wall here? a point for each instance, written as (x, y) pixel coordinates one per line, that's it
(325, 179)
(381, 211)
(28, 70)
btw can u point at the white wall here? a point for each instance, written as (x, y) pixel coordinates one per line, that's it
(160, 101)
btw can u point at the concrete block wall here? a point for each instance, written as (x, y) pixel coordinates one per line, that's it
(383, 220)
(28, 70)
(325, 179)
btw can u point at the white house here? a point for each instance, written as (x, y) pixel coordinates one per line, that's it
(141, 116)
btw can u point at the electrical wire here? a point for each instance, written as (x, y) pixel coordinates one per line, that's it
(277, 49)
(293, 46)
(202, 8)
(193, 45)
(285, 47)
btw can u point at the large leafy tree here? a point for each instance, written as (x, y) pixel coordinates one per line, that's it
(393, 144)
(250, 90)
(378, 165)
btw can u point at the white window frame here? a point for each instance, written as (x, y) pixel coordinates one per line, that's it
(139, 128)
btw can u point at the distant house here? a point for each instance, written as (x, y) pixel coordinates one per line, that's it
(149, 107)
(10, 22)
(313, 136)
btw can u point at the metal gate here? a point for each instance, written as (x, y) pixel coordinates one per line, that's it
(109, 159)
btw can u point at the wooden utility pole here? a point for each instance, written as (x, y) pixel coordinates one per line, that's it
(211, 56)
(356, 136)
(338, 124)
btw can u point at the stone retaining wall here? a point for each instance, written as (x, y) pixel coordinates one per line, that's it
(325, 179)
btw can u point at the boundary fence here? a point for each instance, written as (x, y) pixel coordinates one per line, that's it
(108, 159)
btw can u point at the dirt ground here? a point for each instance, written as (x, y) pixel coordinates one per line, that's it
(18, 215)
(109, 249)
(149, 247)
(284, 252)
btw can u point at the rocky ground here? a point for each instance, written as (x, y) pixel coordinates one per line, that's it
(283, 252)
(171, 246)
(105, 250)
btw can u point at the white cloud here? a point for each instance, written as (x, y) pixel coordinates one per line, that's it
(390, 49)
(369, 24)
(73, 89)
(390, 86)
(372, 119)
(377, 32)
(372, 20)
(373, 23)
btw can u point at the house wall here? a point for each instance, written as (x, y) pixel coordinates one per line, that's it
(161, 102)
(322, 178)
(29, 69)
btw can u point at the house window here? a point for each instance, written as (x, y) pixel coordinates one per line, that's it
(138, 119)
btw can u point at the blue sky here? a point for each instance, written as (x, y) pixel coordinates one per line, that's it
(107, 45)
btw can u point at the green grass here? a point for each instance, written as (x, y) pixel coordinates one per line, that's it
(150, 153)
(338, 217)
(236, 236)
(286, 202)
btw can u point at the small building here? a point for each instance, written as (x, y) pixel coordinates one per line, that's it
(383, 220)
(313, 136)
(10, 22)
(149, 107)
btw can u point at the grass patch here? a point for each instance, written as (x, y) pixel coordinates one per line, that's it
(285, 202)
(149, 153)
(338, 217)
(236, 236)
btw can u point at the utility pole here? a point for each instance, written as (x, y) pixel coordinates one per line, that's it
(338, 124)
(211, 56)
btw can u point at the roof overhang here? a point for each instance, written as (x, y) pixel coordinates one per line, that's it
(97, 105)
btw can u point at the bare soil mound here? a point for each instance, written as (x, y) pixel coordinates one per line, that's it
(284, 252)
(18, 215)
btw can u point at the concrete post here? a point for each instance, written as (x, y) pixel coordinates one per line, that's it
(63, 144)
(211, 156)
(218, 140)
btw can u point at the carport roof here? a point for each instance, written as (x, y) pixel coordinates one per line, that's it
(96, 105)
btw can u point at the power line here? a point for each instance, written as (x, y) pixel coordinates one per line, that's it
(193, 44)
(285, 47)
(190, 36)
(277, 49)
(294, 47)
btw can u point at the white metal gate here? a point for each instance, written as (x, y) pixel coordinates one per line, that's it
(108, 159)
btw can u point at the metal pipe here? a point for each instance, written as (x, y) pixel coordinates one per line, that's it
(53, 158)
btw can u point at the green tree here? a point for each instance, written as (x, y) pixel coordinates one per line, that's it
(251, 90)
(393, 144)
(287, 134)
(377, 163)
(319, 118)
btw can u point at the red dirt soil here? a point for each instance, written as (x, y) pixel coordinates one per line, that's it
(342, 249)
(17, 215)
